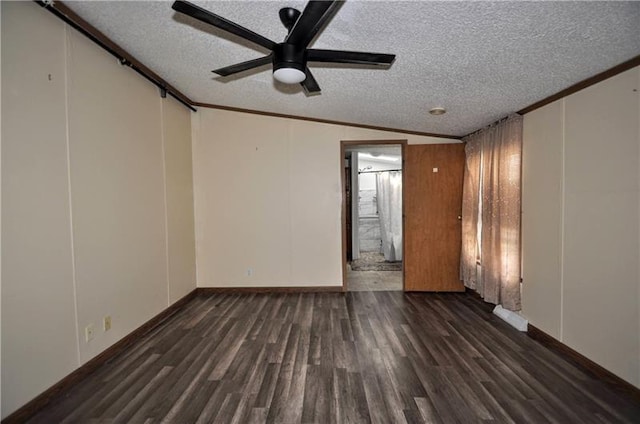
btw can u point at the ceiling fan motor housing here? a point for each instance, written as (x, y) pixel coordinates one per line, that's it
(287, 55)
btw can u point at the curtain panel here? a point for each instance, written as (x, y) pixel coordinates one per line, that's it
(389, 200)
(470, 256)
(490, 257)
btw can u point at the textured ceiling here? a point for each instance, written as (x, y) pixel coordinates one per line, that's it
(480, 60)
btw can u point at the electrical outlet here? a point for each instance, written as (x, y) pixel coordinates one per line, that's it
(106, 323)
(249, 272)
(89, 333)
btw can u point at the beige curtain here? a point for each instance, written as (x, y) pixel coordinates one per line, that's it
(470, 207)
(491, 213)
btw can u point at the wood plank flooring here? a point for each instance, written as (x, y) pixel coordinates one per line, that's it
(359, 357)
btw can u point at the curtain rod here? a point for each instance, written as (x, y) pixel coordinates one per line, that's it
(385, 170)
(512, 115)
(62, 13)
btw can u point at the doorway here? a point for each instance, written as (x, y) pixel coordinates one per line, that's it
(373, 228)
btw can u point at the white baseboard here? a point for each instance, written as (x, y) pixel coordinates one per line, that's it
(512, 318)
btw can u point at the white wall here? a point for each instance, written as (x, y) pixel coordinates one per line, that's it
(268, 198)
(581, 176)
(90, 206)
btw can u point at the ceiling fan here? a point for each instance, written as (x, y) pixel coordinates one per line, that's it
(290, 57)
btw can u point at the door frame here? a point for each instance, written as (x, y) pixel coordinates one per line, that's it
(344, 145)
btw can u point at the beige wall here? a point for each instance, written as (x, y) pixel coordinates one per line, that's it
(581, 218)
(542, 200)
(0, 209)
(268, 198)
(96, 192)
(181, 246)
(39, 344)
(117, 195)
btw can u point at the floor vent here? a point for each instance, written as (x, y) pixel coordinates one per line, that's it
(512, 318)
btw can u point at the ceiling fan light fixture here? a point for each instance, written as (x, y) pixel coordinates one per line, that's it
(289, 75)
(438, 111)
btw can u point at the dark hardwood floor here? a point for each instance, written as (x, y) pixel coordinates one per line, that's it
(383, 357)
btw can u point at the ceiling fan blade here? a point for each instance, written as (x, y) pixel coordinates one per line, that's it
(310, 84)
(314, 17)
(222, 23)
(244, 66)
(341, 56)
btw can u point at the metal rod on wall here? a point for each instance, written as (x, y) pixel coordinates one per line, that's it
(59, 9)
(384, 170)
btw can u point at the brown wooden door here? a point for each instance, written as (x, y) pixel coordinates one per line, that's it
(432, 206)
